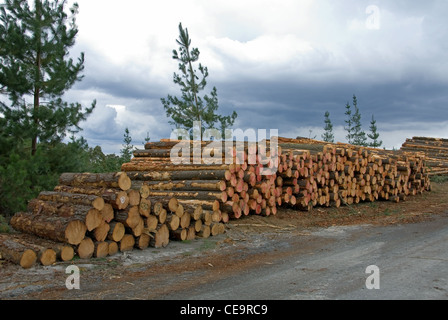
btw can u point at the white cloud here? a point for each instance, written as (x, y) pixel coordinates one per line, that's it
(323, 45)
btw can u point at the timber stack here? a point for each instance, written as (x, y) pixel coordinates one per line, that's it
(98, 215)
(435, 149)
(169, 193)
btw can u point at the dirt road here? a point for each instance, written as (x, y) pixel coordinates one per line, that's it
(319, 255)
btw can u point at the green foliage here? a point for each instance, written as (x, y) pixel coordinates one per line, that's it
(23, 177)
(349, 123)
(358, 136)
(126, 152)
(374, 135)
(328, 135)
(355, 134)
(191, 107)
(35, 66)
(4, 226)
(439, 178)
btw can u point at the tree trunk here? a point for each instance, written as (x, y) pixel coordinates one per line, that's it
(116, 231)
(160, 238)
(73, 199)
(117, 198)
(61, 229)
(86, 248)
(16, 252)
(98, 180)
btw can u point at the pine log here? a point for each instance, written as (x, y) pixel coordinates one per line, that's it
(91, 216)
(116, 231)
(185, 220)
(100, 233)
(107, 213)
(204, 232)
(116, 197)
(130, 166)
(145, 207)
(61, 229)
(179, 234)
(172, 221)
(113, 247)
(101, 249)
(190, 195)
(48, 251)
(72, 198)
(99, 180)
(86, 248)
(151, 223)
(127, 243)
(134, 197)
(160, 238)
(142, 241)
(16, 252)
(129, 218)
(177, 175)
(182, 185)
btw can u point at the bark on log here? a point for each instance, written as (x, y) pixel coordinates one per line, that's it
(116, 197)
(72, 198)
(177, 175)
(99, 180)
(16, 252)
(61, 229)
(182, 185)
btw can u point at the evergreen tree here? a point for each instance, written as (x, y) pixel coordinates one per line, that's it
(374, 135)
(35, 70)
(126, 152)
(191, 107)
(359, 136)
(349, 123)
(328, 135)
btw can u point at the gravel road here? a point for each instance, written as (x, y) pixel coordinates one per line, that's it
(331, 263)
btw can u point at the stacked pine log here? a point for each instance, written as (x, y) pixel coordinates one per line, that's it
(435, 149)
(335, 174)
(231, 188)
(97, 215)
(308, 173)
(154, 200)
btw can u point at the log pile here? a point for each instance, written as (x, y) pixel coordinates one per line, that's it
(153, 201)
(308, 173)
(435, 149)
(97, 215)
(336, 174)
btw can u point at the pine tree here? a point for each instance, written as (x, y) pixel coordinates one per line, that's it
(328, 135)
(349, 123)
(191, 107)
(35, 70)
(126, 152)
(374, 135)
(359, 136)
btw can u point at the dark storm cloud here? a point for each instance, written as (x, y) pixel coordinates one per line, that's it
(283, 73)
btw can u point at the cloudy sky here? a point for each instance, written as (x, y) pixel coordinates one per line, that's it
(279, 64)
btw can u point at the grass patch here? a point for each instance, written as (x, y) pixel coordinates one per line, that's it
(439, 179)
(4, 226)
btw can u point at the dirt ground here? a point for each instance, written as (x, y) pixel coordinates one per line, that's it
(248, 243)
